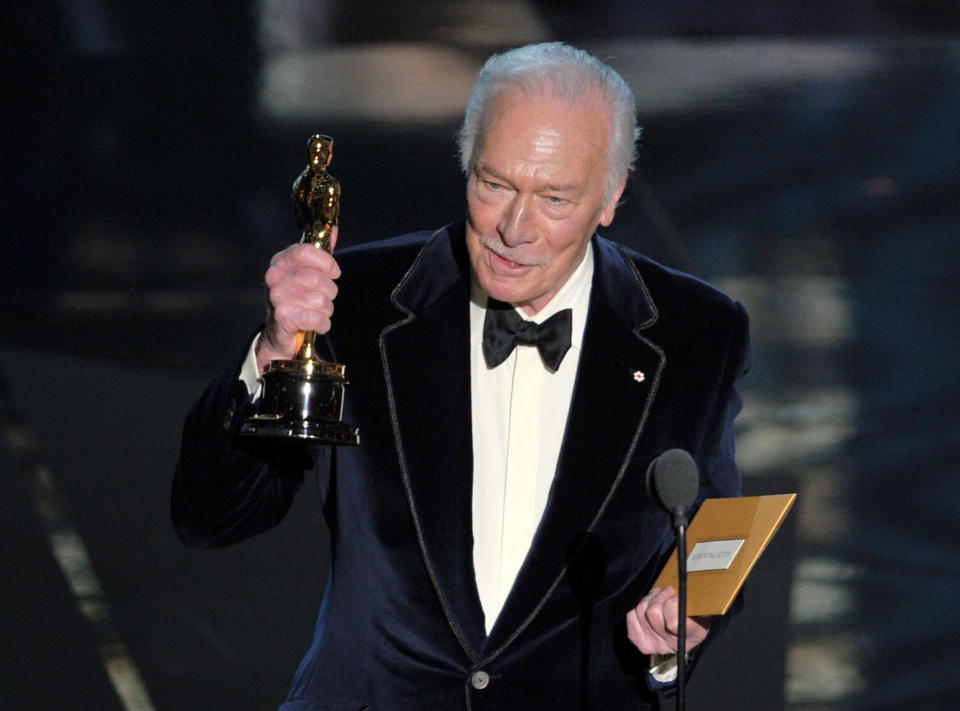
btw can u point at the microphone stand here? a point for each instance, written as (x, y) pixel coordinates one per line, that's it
(672, 483)
(680, 528)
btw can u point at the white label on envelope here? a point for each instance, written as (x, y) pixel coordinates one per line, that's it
(713, 555)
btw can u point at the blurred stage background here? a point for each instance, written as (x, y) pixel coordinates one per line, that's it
(805, 156)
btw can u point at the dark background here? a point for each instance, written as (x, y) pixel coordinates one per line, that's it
(802, 155)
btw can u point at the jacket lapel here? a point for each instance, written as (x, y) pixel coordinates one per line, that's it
(616, 382)
(426, 360)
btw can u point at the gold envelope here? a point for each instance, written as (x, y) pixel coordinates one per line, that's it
(752, 518)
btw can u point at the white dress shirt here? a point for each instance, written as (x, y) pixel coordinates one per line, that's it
(519, 412)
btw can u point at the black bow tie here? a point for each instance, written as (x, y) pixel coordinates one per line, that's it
(503, 329)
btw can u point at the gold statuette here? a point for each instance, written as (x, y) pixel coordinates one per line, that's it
(303, 398)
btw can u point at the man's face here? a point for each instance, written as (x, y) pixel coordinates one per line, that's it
(536, 195)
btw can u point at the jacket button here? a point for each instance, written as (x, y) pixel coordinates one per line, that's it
(479, 680)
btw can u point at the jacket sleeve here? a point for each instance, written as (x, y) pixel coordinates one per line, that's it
(227, 487)
(715, 454)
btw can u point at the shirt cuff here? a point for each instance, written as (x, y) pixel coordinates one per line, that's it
(250, 374)
(663, 668)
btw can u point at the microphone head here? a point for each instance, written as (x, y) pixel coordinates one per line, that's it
(673, 481)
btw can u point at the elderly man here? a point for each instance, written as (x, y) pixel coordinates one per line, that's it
(493, 543)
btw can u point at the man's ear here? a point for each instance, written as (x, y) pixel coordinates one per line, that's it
(606, 217)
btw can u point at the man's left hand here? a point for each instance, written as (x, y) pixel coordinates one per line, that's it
(652, 625)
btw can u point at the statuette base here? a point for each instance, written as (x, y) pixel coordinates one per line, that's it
(302, 399)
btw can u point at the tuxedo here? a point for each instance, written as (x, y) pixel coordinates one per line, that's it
(401, 626)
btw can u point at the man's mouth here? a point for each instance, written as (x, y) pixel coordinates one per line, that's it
(503, 258)
(509, 263)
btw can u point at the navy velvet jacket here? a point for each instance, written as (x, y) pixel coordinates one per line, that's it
(401, 625)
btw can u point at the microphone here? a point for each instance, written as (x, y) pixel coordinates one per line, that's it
(673, 482)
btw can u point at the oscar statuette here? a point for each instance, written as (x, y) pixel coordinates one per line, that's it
(303, 398)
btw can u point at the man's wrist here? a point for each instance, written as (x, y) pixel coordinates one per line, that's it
(264, 352)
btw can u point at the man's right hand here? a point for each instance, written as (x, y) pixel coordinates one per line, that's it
(301, 290)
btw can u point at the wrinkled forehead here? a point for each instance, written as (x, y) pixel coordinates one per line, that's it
(517, 110)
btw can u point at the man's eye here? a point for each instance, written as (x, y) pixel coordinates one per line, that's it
(492, 186)
(556, 201)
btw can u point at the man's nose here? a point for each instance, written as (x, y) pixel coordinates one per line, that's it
(516, 224)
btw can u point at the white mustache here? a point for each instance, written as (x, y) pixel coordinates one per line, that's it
(514, 255)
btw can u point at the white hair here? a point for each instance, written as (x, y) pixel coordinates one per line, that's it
(563, 72)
